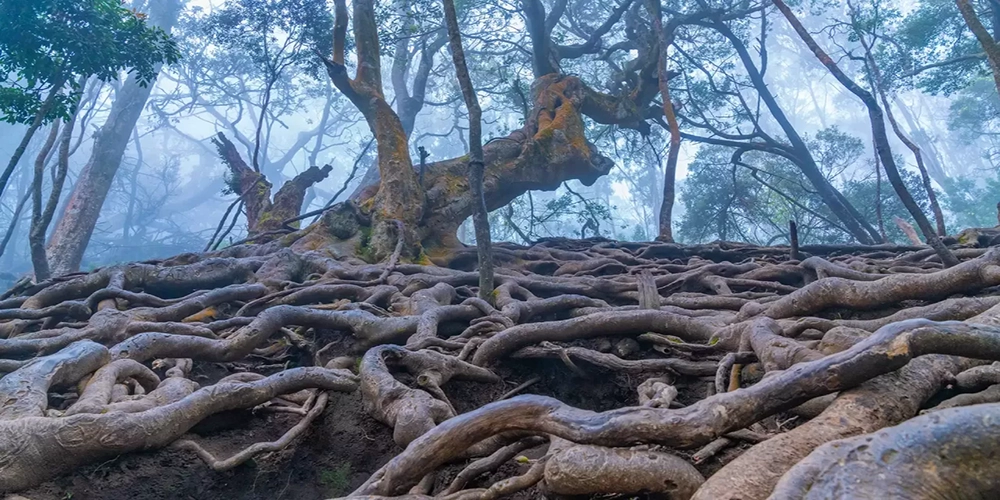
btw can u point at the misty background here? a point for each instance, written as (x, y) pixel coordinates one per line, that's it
(170, 192)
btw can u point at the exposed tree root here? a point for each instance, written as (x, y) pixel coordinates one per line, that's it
(591, 470)
(946, 454)
(699, 346)
(315, 409)
(35, 448)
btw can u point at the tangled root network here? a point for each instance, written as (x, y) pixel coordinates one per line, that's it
(599, 369)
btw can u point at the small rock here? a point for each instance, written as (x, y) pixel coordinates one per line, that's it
(602, 345)
(625, 348)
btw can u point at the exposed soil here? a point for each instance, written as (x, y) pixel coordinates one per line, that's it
(341, 449)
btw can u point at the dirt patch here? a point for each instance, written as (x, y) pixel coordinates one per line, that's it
(341, 450)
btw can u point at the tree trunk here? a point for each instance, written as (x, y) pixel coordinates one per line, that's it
(253, 188)
(878, 133)
(990, 46)
(36, 242)
(480, 217)
(845, 212)
(42, 217)
(73, 231)
(924, 177)
(400, 199)
(670, 174)
(548, 150)
(878, 198)
(43, 111)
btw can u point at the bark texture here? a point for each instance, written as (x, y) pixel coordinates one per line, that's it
(74, 228)
(480, 217)
(264, 213)
(112, 362)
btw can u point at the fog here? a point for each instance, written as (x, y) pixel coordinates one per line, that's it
(170, 192)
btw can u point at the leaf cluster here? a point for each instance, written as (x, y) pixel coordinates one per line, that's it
(47, 43)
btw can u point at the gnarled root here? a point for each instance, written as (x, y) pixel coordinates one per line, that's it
(840, 292)
(592, 470)
(885, 351)
(587, 305)
(25, 392)
(946, 454)
(248, 453)
(97, 393)
(34, 448)
(412, 412)
(883, 401)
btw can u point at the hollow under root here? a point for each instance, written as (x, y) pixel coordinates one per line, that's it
(990, 395)
(248, 453)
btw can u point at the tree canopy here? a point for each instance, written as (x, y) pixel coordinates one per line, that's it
(49, 43)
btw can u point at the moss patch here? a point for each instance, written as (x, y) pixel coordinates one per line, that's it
(336, 479)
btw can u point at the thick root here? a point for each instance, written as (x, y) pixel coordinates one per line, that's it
(34, 449)
(594, 470)
(715, 344)
(946, 454)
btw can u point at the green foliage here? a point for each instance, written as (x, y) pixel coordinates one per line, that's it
(975, 111)
(729, 202)
(46, 43)
(862, 193)
(935, 32)
(272, 34)
(336, 479)
(363, 248)
(971, 205)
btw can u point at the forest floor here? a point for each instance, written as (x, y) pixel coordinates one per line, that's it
(656, 349)
(339, 452)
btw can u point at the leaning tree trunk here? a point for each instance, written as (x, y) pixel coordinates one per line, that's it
(879, 134)
(990, 46)
(548, 150)
(73, 231)
(878, 84)
(853, 221)
(480, 218)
